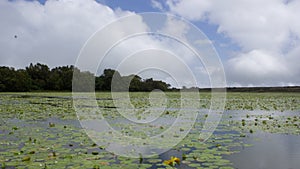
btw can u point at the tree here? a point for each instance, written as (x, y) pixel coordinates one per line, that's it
(60, 78)
(104, 81)
(40, 77)
(39, 74)
(23, 82)
(136, 83)
(7, 79)
(14, 81)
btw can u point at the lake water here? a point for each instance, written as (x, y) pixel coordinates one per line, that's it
(269, 151)
(44, 131)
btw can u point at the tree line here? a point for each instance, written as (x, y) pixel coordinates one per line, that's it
(39, 77)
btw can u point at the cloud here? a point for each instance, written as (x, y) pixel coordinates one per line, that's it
(156, 4)
(52, 33)
(144, 52)
(257, 66)
(193, 9)
(267, 32)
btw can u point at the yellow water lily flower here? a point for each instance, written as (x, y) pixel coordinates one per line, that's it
(172, 162)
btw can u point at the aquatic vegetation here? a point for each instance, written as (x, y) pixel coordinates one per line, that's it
(41, 130)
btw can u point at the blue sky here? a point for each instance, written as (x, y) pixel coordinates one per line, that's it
(132, 5)
(257, 41)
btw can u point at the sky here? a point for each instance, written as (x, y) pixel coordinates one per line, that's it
(257, 41)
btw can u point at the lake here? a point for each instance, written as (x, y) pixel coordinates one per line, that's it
(42, 130)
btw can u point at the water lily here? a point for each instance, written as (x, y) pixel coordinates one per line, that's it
(172, 162)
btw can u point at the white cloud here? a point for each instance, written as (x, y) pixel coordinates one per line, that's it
(203, 42)
(176, 28)
(192, 9)
(52, 33)
(257, 66)
(156, 4)
(161, 53)
(267, 32)
(183, 62)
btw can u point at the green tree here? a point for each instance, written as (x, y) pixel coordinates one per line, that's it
(14, 81)
(7, 79)
(60, 78)
(23, 82)
(39, 74)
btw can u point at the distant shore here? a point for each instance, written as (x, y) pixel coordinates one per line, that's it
(259, 89)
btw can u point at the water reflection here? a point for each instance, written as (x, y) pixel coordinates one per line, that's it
(269, 151)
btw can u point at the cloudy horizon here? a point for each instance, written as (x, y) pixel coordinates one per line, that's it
(258, 42)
